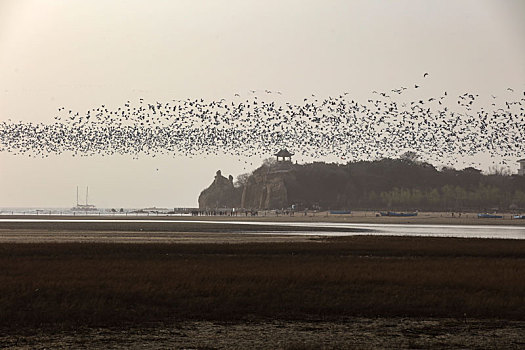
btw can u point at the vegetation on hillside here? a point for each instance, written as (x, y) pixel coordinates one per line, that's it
(402, 184)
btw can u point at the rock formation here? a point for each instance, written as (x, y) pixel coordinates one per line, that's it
(266, 188)
(220, 194)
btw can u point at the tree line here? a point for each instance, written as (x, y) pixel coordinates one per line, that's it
(402, 184)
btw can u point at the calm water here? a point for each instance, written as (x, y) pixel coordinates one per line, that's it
(464, 231)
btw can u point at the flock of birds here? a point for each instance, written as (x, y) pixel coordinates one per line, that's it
(438, 128)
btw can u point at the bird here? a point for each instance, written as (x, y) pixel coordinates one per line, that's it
(316, 126)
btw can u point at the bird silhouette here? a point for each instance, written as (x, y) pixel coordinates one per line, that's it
(439, 127)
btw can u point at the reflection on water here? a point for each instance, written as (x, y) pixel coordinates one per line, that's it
(462, 231)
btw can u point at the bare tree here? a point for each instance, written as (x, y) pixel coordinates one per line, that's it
(268, 162)
(242, 180)
(499, 170)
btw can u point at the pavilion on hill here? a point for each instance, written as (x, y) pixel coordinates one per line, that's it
(283, 154)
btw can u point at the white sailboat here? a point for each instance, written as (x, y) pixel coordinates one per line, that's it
(84, 207)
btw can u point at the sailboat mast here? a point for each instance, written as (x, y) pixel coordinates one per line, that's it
(77, 196)
(87, 191)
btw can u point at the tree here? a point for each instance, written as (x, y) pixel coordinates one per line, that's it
(242, 180)
(410, 156)
(499, 170)
(268, 162)
(433, 198)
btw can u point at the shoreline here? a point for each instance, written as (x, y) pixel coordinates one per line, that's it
(39, 229)
(358, 217)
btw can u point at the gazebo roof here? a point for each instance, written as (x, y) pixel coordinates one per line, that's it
(283, 153)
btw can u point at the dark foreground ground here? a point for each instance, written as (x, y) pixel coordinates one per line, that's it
(352, 292)
(352, 333)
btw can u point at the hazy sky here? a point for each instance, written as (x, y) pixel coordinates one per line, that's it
(81, 54)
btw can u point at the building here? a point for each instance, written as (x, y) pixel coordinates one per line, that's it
(283, 154)
(521, 170)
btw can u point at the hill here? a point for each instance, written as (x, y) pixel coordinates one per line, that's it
(394, 184)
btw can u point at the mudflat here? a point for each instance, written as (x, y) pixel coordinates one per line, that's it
(285, 292)
(242, 229)
(351, 333)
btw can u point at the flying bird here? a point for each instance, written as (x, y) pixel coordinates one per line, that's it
(317, 127)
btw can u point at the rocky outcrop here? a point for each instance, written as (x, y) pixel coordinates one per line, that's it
(221, 194)
(277, 185)
(266, 188)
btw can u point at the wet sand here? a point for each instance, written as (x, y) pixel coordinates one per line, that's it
(227, 229)
(116, 230)
(134, 237)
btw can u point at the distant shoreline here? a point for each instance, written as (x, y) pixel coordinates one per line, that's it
(358, 217)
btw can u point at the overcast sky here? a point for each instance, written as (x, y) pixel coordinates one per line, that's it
(81, 54)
